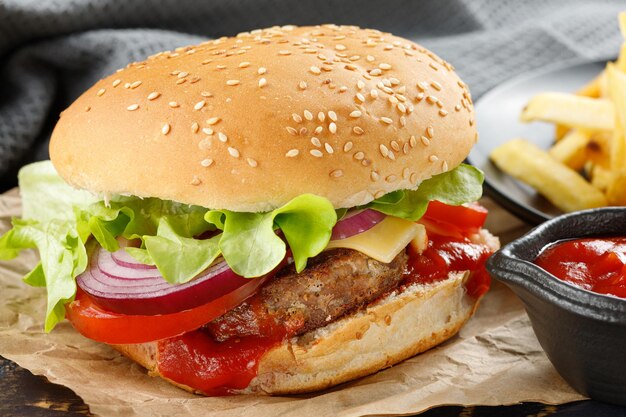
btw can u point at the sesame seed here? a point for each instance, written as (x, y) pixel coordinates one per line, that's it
(87, 108)
(135, 84)
(444, 166)
(360, 84)
(430, 132)
(222, 137)
(358, 130)
(422, 86)
(370, 58)
(393, 100)
(316, 152)
(471, 122)
(332, 128)
(303, 131)
(101, 92)
(319, 129)
(284, 52)
(315, 70)
(166, 128)
(181, 81)
(405, 148)
(220, 67)
(433, 158)
(206, 94)
(432, 99)
(233, 152)
(195, 127)
(332, 116)
(244, 64)
(329, 148)
(374, 176)
(402, 121)
(252, 162)
(195, 180)
(296, 118)
(414, 178)
(359, 156)
(374, 93)
(262, 82)
(132, 107)
(199, 105)
(360, 97)
(384, 66)
(425, 140)
(355, 114)
(406, 173)
(127, 85)
(433, 66)
(386, 120)
(436, 85)
(395, 146)
(116, 82)
(302, 85)
(419, 97)
(261, 70)
(292, 153)
(391, 156)
(457, 107)
(443, 113)
(384, 151)
(394, 81)
(321, 116)
(336, 173)
(401, 108)
(316, 142)
(375, 72)
(213, 120)
(173, 104)
(207, 131)
(391, 178)
(182, 74)
(153, 95)
(206, 61)
(347, 146)
(340, 47)
(292, 131)
(206, 162)
(232, 82)
(308, 115)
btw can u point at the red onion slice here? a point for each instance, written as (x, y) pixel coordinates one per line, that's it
(355, 223)
(139, 291)
(123, 258)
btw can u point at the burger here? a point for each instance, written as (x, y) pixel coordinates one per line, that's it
(276, 212)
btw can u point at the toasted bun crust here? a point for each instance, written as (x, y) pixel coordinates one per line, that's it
(249, 122)
(391, 330)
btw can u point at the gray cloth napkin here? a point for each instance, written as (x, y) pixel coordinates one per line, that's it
(52, 50)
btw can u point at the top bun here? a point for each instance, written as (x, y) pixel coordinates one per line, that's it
(248, 123)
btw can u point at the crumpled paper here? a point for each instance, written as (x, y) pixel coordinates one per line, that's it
(494, 360)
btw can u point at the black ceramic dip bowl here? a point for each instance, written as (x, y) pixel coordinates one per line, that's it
(582, 332)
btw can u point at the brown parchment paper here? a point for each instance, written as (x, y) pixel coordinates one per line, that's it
(494, 360)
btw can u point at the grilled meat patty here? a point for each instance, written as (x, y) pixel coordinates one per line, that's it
(333, 284)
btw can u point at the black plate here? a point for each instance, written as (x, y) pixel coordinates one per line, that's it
(497, 118)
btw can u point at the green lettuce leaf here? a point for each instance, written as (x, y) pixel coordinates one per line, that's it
(251, 246)
(180, 258)
(63, 257)
(458, 186)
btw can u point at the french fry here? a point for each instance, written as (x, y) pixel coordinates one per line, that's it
(592, 88)
(561, 185)
(616, 192)
(621, 59)
(572, 149)
(601, 177)
(571, 110)
(621, 18)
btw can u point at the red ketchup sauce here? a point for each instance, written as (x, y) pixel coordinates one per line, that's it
(595, 264)
(215, 368)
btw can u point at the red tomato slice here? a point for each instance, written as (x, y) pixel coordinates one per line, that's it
(103, 326)
(467, 218)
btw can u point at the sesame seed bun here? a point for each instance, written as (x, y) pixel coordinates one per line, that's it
(249, 122)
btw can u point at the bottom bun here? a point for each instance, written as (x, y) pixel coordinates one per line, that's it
(394, 328)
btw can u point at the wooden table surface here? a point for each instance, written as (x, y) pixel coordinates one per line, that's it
(28, 395)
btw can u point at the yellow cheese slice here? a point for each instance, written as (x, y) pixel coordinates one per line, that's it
(384, 241)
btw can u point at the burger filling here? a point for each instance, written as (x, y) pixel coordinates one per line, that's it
(216, 289)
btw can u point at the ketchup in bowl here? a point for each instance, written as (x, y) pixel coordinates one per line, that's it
(595, 264)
